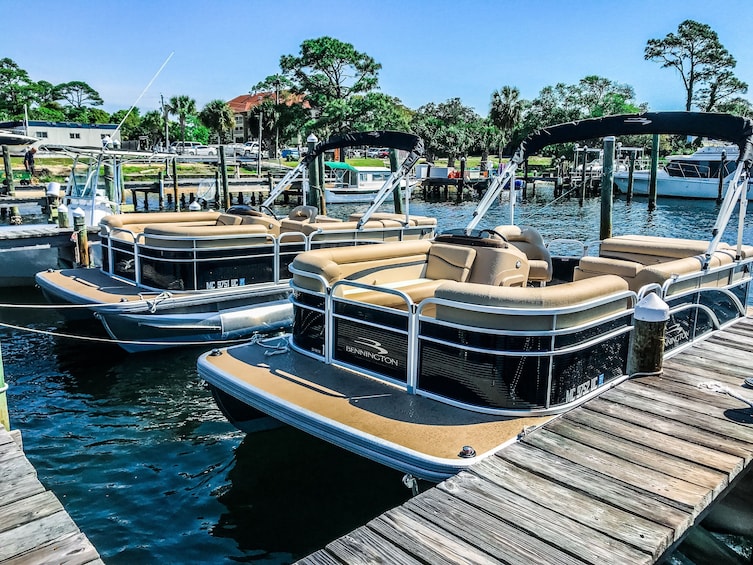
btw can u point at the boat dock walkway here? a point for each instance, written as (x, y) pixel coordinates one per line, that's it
(618, 480)
(34, 526)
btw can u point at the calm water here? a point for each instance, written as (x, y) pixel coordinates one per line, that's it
(146, 465)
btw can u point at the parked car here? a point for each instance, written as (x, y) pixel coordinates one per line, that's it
(249, 149)
(202, 150)
(378, 152)
(181, 147)
(291, 154)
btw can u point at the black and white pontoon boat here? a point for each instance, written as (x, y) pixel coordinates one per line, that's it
(172, 279)
(427, 356)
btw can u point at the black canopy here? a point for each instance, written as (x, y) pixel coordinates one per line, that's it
(723, 127)
(394, 139)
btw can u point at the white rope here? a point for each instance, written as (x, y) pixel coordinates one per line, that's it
(52, 306)
(721, 389)
(126, 342)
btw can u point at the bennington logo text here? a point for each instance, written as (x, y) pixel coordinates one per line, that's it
(374, 351)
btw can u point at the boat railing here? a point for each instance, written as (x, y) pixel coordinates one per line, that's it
(247, 258)
(473, 366)
(704, 301)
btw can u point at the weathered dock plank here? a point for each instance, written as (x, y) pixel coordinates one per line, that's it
(34, 526)
(620, 479)
(491, 534)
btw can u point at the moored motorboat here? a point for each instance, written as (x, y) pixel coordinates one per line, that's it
(353, 184)
(171, 279)
(687, 176)
(428, 356)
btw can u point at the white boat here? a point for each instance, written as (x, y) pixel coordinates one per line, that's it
(687, 176)
(92, 191)
(428, 356)
(353, 184)
(170, 279)
(16, 141)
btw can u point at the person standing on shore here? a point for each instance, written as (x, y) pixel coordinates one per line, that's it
(29, 160)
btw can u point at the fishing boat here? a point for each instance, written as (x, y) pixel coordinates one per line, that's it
(428, 356)
(353, 184)
(688, 176)
(170, 279)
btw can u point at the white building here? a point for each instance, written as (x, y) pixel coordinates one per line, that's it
(68, 134)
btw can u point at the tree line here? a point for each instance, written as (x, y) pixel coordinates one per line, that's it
(329, 87)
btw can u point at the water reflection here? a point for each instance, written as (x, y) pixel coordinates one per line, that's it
(290, 494)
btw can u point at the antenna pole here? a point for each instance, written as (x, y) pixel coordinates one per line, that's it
(117, 129)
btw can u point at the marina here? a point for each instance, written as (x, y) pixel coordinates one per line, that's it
(144, 439)
(159, 394)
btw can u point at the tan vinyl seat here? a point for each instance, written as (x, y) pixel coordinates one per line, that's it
(530, 242)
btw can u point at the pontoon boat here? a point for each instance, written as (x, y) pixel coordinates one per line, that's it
(428, 356)
(171, 279)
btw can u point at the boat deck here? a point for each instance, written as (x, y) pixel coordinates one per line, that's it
(34, 527)
(367, 405)
(91, 286)
(620, 479)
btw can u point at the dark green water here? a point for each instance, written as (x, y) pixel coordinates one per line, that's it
(141, 458)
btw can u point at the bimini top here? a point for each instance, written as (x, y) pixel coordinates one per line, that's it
(383, 138)
(724, 127)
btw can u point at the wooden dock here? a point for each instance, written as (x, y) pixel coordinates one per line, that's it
(34, 526)
(620, 479)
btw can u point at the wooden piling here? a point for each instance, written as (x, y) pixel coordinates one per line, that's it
(175, 184)
(654, 171)
(631, 171)
(582, 194)
(607, 181)
(82, 238)
(4, 416)
(223, 194)
(15, 215)
(721, 177)
(161, 197)
(646, 353)
(396, 196)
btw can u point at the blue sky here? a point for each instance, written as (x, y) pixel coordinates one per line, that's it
(430, 51)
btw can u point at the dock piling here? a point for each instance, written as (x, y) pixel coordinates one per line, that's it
(646, 355)
(654, 170)
(4, 416)
(82, 238)
(607, 181)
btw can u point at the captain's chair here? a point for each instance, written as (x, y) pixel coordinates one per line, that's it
(530, 242)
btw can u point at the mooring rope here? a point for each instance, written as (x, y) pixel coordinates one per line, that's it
(545, 206)
(714, 386)
(96, 339)
(52, 306)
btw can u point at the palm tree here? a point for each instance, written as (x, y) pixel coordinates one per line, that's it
(218, 117)
(182, 106)
(506, 110)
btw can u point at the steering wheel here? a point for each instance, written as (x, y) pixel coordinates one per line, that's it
(494, 232)
(262, 207)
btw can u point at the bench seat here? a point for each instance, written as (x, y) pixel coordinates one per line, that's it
(642, 260)
(528, 299)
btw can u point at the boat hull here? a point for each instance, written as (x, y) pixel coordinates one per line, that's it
(675, 187)
(411, 433)
(143, 321)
